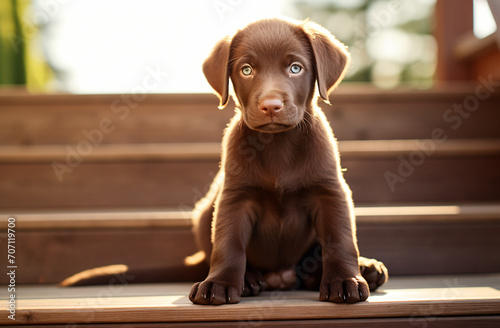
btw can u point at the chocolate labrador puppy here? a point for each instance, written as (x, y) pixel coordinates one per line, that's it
(279, 212)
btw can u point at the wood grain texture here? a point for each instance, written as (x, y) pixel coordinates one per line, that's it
(180, 183)
(426, 248)
(408, 245)
(142, 152)
(182, 219)
(400, 298)
(427, 322)
(359, 112)
(162, 151)
(177, 184)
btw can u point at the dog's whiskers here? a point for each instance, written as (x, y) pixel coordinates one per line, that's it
(306, 122)
(313, 117)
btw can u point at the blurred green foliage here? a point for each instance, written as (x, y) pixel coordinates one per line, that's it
(390, 41)
(21, 62)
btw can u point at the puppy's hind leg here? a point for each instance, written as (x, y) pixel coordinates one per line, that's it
(374, 272)
(203, 216)
(254, 282)
(309, 270)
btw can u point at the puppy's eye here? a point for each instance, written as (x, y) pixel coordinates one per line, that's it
(295, 68)
(246, 70)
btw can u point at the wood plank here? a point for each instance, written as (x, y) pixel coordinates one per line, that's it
(453, 19)
(488, 321)
(421, 214)
(488, 65)
(176, 184)
(211, 151)
(407, 248)
(51, 256)
(101, 220)
(179, 184)
(346, 91)
(439, 296)
(359, 112)
(123, 152)
(470, 48)
(392, 148)
(432, 180)
(422, 248)
(68, 119)
(181, 219)
(177, 175)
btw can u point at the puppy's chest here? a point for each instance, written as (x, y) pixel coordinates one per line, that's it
(279, 173)
(282, 231)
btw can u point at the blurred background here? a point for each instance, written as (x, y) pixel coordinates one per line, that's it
(97, 46)
(109, 131)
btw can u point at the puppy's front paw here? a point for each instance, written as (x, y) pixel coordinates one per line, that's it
(344, 290)
(214, 293)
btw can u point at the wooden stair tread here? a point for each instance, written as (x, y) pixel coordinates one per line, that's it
(349, 90)
(211, 150)
(182, 219)
(408, 297)
(176, 175)
(359, 112)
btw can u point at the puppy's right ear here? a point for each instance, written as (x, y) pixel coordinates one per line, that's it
(331, 58)
(216, 70)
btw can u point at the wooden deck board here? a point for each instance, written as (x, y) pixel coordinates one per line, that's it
(407, 297)
(144, 152)
(398, 113)
(182, 219)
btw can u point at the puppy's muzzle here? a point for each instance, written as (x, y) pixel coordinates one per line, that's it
(271, 107)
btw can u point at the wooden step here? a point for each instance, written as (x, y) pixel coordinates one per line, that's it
(203, 151)
(177, 175)
(182, 219)
(410, 240)
(442, 301)
(359, 112)
(141, 151)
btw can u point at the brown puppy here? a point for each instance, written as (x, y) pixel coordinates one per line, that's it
(280, 190)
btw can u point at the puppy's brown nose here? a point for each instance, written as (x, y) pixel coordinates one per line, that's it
(271, 106)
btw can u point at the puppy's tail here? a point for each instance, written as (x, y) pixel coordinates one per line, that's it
(194, 268)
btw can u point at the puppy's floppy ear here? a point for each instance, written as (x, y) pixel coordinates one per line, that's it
(331, 58)
(216, 70)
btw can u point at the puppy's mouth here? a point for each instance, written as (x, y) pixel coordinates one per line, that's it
(273, 127)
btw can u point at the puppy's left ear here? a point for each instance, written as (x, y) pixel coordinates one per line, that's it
(331, 57)
(216, 70)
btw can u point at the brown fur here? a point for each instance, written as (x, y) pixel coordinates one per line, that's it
(279, 213)
(280, 190)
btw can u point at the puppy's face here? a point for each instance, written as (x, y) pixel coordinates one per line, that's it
(272, 70)
(273, 65)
